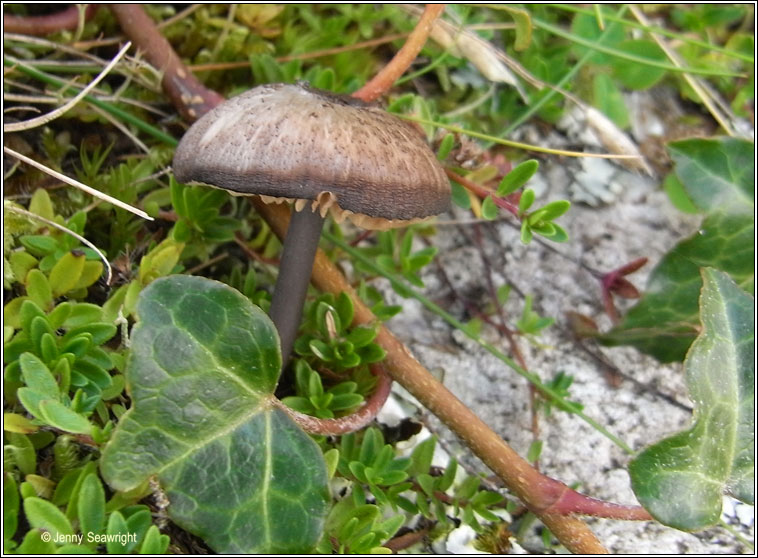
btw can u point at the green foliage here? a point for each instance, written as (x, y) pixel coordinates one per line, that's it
(64, 390)
(200, 222)
(54, 354)
(62, 265)
(531, 323)
(394, 253)
(406, 484)
(312, 399)
(681, 479)
(717, 175)
(205, 354)
(332, 341)
(560, 384)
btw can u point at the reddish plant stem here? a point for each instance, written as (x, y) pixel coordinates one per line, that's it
(67, 19)
(483, 192)
(352, 422)
(406, 540)
(387, 76)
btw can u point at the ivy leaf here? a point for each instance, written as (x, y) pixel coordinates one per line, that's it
(717, 173)
(237, 471)
(680, 480)
(718, 176)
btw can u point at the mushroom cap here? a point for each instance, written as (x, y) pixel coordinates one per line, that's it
(300, 143)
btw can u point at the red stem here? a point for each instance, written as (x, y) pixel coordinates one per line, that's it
(383, 80)
(483, 192)
(352, 422)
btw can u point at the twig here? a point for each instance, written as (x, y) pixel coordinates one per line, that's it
(352, 422)
(186, 92)
(384, 79)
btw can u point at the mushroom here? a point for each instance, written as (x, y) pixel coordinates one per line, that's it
(325, 153)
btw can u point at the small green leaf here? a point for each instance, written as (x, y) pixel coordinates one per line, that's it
(607, 97)
(13, 422)
(526, 232)
(91, 272)
(91, 506)
(681, 479)
(116, 532)
(39, 245)
(35, 544)
(518, 176)
(38, 288)
(66, 272)
(154, 542)
(41, 514)
(56, 414)
(21, 452)
(38, 377)
(526, 201)
(460, 196)
(41, 204)
(10, 505)
(554, 209)
(535, 449)
(446, 145)
(489, 209)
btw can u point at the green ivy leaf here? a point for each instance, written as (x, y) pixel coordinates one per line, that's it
(718, 177)
(716, 173)
(681, 479)
(237, 471)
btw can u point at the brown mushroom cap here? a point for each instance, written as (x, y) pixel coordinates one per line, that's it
(299, 143)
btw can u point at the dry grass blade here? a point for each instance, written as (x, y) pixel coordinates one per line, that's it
(718, 109)
(464, 43)
(77, 184)
(45, 118)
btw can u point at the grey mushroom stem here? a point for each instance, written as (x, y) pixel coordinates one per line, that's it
(295, 269)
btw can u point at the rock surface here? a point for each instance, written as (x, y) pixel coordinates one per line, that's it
(632, 395)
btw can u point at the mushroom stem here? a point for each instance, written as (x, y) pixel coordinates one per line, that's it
(295, 268)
